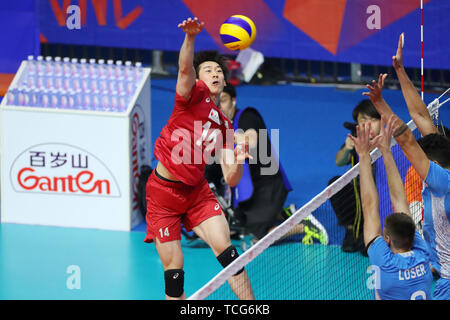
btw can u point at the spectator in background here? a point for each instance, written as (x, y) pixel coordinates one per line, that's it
(346, 203)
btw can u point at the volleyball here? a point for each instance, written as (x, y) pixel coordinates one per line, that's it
(237, 32)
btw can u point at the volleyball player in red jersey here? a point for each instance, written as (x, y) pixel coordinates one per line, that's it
(177, 190)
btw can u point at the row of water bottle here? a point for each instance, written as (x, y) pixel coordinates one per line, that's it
(68, 99)
(69, 83)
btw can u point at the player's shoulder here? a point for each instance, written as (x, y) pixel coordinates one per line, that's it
(438, 179)
(198, 91)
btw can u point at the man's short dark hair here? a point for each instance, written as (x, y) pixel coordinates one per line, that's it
(401, 229)
(230, 89)
(437, 148)
(365, 107)
(204, 56)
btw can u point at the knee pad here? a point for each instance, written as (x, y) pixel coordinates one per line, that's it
(228, 256)
(174, 279)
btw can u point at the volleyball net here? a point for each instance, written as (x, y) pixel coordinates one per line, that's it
(284, 268)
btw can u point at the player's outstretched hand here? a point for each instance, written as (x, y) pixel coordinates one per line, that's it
(362, 139)
(397, 60)
(241, 152)
(375, 90)
(383, 140)
(191, 27)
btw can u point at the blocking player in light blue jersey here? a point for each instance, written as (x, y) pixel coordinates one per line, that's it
(431, 160)
(436, 199)
(398, 255)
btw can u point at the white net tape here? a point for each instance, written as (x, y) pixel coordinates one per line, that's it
(295, 219)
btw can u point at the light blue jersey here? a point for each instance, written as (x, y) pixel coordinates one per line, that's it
(401, 276)
(436, 226)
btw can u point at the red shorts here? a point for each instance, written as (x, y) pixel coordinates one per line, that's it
(170, 203)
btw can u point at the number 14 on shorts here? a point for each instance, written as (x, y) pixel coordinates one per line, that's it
(164, 232)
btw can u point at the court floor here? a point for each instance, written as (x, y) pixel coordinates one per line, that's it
(41, 262)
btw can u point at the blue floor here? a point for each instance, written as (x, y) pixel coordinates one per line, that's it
(34, 260)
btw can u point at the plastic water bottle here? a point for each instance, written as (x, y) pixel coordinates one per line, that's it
(11, 97)
(138, 71)
(71, 99)
(105, 102)
(120, 84)
(78, 98)
(63, 99)
(119, 69)
(83, 68)
(93, 68)
(110, 69)
(58, 82)
(95, 100)
(101, 68)
(31, 66)
(66, 67)
(40, 67)
(48, 65)
(114, 101)
(34, 97)
(94, 83)
(18, 101)
(122, 102)
(74, 67)
(128, 70)
(45, 98)
(103, 84)
(112, 85)
(86, 100)
(84, 81)
(54, 98)
(76, 82)
(48, 81)
(57, 67)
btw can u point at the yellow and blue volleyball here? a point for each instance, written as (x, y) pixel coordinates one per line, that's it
(237, 32)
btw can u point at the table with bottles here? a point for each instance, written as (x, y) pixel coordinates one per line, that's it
(74, 136)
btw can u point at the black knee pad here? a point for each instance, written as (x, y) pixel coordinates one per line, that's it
(228, 256)
(174, 279)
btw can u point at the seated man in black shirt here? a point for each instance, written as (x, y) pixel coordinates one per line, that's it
(259, 198)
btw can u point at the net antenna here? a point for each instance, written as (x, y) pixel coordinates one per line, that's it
(421, 46)
(254, 251)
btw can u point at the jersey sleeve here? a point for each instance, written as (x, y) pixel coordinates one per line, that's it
(420, 244)
(438, 179)
(196, 94)
(379, 252)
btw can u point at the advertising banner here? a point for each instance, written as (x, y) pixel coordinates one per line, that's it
(362, 31)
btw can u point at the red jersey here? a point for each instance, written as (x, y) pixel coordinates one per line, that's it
(195, 130)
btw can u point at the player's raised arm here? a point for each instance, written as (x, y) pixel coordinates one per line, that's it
(403, 135)
(186, 71)
(416, 107)
(369, 193)
(383, 143)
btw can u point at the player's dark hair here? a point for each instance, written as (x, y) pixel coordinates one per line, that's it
(204, 56)
(365, 107)
(437, 148)
(230, 89)
(401, 229)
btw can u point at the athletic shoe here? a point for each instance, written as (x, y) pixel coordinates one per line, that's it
(289, 211)
(314, 230)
